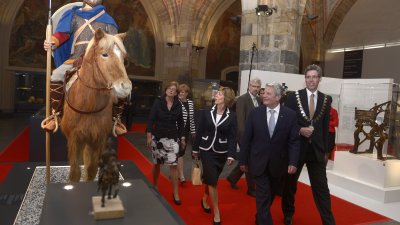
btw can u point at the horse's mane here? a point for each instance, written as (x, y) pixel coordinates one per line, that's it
(107, 43)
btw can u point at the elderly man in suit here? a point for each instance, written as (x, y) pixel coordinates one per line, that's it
(312, 108)
(244, 104)
(270, 148)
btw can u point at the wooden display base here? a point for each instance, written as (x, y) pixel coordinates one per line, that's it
(113, 208)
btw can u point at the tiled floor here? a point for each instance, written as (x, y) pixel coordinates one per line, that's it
(11, 125)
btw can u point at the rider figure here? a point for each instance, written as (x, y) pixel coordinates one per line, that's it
(74, 31)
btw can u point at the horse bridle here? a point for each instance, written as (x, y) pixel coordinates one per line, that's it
(106, 88)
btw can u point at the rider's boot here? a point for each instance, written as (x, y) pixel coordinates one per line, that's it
(51, 123)
(118, 128)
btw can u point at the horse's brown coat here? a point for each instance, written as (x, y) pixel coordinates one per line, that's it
(87, 133)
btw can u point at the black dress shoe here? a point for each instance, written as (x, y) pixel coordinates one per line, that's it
(233, 184)
(251, 193)
(177, 202)
(288, 220)
(206, 210)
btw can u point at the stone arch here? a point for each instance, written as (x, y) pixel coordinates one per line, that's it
(335, 19)
(228, 70)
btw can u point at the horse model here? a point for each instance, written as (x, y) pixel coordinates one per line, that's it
(87, 118)
(109, 169)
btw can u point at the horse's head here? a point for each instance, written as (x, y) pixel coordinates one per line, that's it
(106, 53)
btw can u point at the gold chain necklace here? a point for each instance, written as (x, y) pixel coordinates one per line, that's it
(303, 113)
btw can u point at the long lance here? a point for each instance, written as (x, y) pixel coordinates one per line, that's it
(49, 31)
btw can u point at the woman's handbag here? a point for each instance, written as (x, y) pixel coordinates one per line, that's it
(196, 173)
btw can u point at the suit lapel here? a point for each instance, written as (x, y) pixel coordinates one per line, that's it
(320, 97)
(264, 121)
(213, 113)
(250, 101)
(280, 121)
(224, 117)
(304, 101)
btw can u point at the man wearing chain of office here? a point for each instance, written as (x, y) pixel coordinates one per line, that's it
(312, 108)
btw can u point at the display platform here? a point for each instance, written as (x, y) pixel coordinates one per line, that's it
(23, 192)
(75, 206)
(367, 176)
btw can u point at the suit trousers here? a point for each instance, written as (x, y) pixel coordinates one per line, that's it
(236, 174)
(319, 186)
(266, 189)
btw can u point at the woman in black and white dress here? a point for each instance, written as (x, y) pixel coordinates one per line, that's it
(189, 124)
(165, 134)
(215, 145)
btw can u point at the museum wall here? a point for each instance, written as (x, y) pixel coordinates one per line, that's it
(377, 63)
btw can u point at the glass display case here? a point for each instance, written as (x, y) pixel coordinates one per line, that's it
(144, 93)
(30, 91)
(369, 119)
(203, 91)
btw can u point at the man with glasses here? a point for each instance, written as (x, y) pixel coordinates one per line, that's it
(312, 108)
(244, 104)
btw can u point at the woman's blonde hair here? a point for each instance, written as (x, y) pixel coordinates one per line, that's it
(229, 96)
(184, 87)
(172, 83)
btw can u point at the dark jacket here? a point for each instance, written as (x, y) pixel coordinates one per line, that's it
(263, 153)
(298, 101)
(218, 137)
(164, 123)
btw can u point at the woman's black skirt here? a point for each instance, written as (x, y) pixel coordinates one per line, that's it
(213, 163)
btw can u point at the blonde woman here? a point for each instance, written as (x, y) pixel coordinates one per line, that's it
(189, 124)
(215, 145)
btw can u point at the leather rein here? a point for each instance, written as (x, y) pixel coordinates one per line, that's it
(108, 87)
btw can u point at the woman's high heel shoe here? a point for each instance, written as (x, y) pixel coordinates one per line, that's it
(177, 202)
(206, 210)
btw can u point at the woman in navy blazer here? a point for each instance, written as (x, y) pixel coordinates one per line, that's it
(215, 143)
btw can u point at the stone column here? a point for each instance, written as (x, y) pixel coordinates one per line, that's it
(277, 37)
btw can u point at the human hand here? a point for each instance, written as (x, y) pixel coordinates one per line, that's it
(292, 169)
(48, 45)
(195, 156)
(306, 131)
(229, 161)
(183, 143)
(244, 168)
(148, 143)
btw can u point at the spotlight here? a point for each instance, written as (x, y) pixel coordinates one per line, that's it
(265, 10)
(197, 48)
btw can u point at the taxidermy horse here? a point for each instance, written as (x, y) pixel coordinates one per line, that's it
(87, 119)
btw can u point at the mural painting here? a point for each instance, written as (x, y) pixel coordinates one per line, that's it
(28, 34)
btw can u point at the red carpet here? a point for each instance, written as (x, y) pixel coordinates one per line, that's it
(18, 149)
(237, 208)
(4, 169)
(138, 128)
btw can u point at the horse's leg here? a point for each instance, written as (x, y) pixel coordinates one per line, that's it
(109, 190)
(74, 155)
(91, 160)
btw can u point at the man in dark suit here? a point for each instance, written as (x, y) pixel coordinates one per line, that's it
(270, 148)
(312, 108)
(244, 104)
